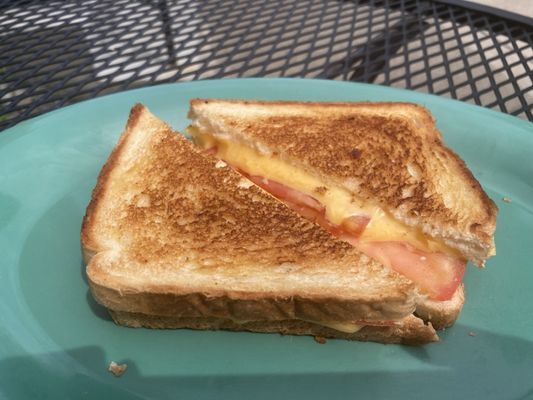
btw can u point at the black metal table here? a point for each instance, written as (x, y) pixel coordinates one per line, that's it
(55, 53)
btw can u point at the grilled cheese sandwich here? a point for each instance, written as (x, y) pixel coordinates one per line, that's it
(193, 247)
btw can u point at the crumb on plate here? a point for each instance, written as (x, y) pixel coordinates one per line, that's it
(507, 199)
(117, 369)
(320, 339)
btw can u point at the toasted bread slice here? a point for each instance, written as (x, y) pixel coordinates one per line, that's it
(173, 232)
(390, 154)
(410, 330)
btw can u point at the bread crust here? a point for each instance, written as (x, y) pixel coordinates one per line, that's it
(410, 330)
(178, 300)
(401, 161)
(89, 238)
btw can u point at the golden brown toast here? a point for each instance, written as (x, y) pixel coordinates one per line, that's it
(173, 235)
(389, 153)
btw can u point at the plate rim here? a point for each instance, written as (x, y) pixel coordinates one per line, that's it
(473, 107)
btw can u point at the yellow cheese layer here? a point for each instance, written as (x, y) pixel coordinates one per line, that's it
(346, 327)
(338, 202)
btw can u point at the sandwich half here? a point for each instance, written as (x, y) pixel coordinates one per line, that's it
(376, 175)
(174, 238)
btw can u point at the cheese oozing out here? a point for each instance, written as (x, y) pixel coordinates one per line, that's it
(339, 203)
(345, 327)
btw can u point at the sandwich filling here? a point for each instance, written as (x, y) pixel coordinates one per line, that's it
(436, 268)
(345, 327)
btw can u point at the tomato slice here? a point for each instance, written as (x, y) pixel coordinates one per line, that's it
(436, 273)
(311, 208)
(286, 193)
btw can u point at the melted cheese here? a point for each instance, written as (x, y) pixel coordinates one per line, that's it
(338, 202)
(346, 327)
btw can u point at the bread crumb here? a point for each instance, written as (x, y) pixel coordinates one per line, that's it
(220, 164)
(507, 199)
(472, 333)
(117, 369)
(320, 339)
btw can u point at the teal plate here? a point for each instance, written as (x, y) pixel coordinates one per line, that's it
(56, 343)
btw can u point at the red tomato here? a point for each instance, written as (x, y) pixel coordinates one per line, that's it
(311, 208)
(287, 194)
(437, 273)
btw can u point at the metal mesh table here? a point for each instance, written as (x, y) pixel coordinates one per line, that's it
(55, 53)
